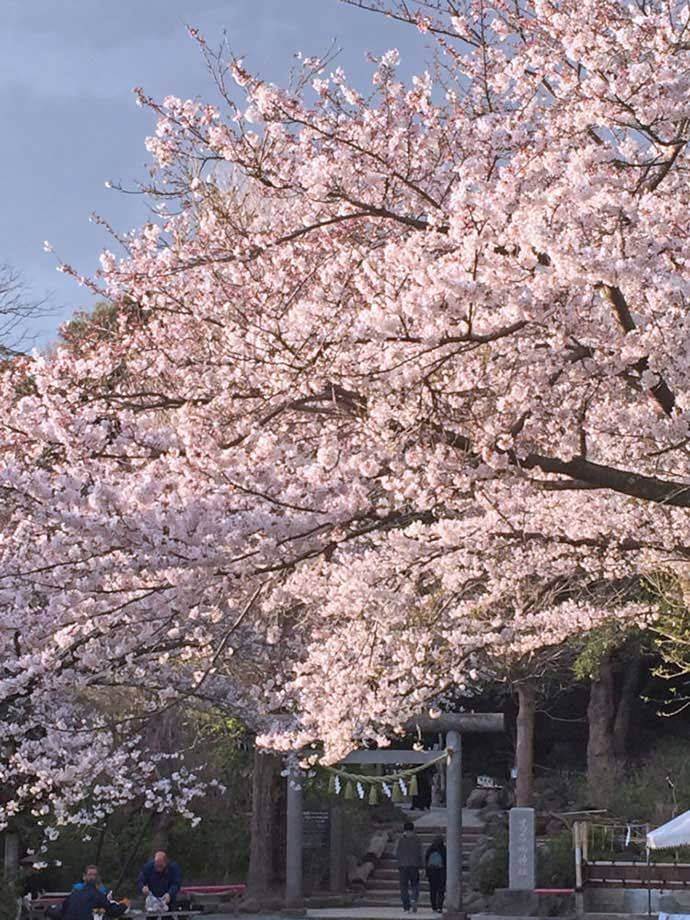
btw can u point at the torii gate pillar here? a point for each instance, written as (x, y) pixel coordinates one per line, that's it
(294, 870)
(453, 900)
(454, 725)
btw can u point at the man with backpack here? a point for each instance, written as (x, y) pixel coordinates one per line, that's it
(436, 873)
(409, 856)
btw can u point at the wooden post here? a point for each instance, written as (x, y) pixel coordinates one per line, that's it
(579, 834)
(11, 859)
(337, 879)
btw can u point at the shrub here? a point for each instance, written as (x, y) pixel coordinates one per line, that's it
(556, 862)
(493, 873)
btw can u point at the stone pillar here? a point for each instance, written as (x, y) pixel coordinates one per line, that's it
(11, 859)
(294, 897)
(453, 903)
(337, 874)
(522, 850)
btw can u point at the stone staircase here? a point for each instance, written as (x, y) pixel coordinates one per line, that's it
(383, 887)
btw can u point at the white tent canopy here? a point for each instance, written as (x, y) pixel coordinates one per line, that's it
(675, 833)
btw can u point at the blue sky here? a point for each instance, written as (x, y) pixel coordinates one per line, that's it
(71, 123)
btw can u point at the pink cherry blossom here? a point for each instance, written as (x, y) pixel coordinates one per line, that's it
(398, 389)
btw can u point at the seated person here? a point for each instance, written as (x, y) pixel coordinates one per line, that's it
(91, 877)
(161, 878)
(87, 896)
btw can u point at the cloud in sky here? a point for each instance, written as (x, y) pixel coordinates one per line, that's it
(68, 68)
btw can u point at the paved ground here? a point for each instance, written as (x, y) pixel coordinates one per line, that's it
(369, 913)
(390, 913)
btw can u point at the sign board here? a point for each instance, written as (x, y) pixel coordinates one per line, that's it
(316, 830)
(522, 853)
(487, 782)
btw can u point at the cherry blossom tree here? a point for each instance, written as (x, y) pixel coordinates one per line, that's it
(388, 370)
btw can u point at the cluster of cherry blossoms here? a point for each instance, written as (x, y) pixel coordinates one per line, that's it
(398, 387)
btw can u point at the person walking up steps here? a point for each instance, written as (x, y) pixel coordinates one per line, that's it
(409, 856)
(436, 873)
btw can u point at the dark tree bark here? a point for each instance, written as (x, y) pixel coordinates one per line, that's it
(163, 734)
(160, 826)
(602, 764)
(263, 871)
(626, 703)
(524, 750)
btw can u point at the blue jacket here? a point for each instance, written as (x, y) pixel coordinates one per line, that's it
(159, 883)
(81, 903)
(80, 886)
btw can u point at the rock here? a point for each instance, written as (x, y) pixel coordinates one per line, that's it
(474, 902)
(493, 796)
(486, 859)
(508, 903)
(483, 862)
(489, 812)
(267, 904)
(496, 824)
(477, 798)
(477, 853)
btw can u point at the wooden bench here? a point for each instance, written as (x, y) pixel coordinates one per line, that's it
(232, 894)
(37, 907)
(205, 894)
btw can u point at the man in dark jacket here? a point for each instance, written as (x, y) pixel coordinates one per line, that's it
(436, 873)
(87, 897)
(409, 856)
(162, 878)
(91, 877)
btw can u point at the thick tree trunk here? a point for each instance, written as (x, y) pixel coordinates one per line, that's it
(160, 826)
(163, 735)
(626, 703)
(524, 750)
(264, 830)
(602, 764)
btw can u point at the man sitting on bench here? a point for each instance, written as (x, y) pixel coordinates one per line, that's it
(91, 877)
(161, 878)
(87, 897)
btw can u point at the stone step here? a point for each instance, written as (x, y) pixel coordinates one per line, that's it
(394, 884)
(391, 863)
(468, 840)
(388, 873)
(388, 881)
(471, 833)
(384, 885)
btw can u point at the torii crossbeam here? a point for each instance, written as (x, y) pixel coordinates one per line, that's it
(454, 725)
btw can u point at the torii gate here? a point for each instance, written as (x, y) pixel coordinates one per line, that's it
(454, 725)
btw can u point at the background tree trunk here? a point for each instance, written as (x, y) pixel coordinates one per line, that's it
(524, 749)
(602, 764)
(160, 827)
(163, 734)
(626, 704)
(265, 795)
